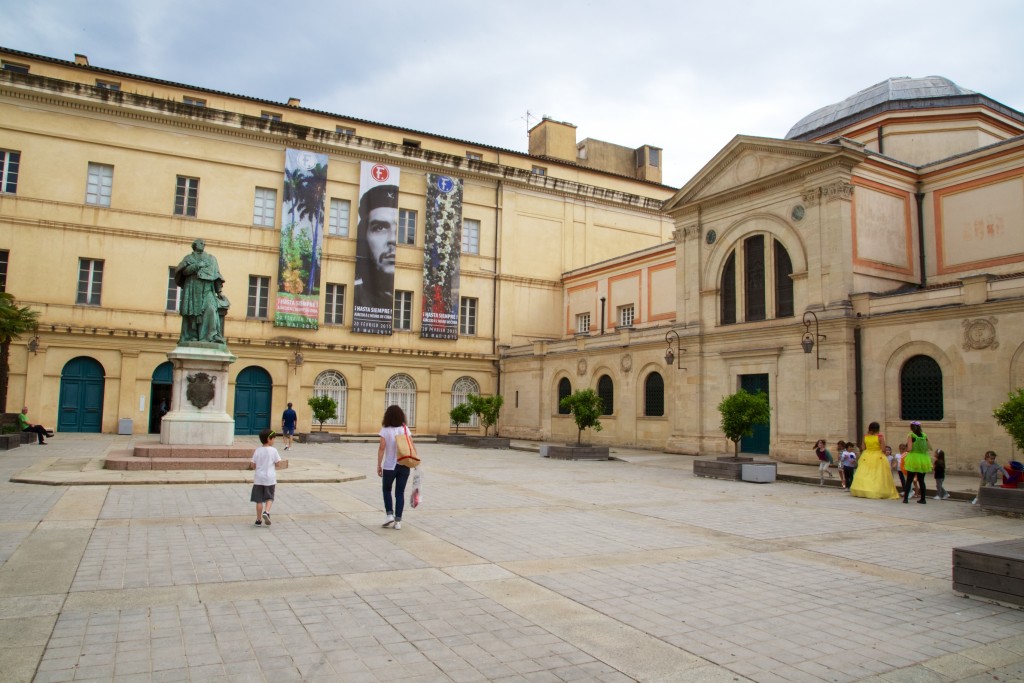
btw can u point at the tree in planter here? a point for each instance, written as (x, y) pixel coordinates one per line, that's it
(585, 406)
(1010, 416)
(740, 412)
(14, 321)
(324, 408)
(487, 409)
(460, 415)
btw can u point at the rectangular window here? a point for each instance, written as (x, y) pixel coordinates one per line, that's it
(467, 316)
(539, 170)
(264, 208)
(15, 67)
(474, 156)
(108, 85)
(406, 227)
(403, 310)
(471, 236)
(99, 184)
(259, 296)
(90, 281)
(173, 293)
(334, 305)
(270, 116)
(344, 130)
(640, 158)
(9, 163)
(186, 196)
(338, 225)
(5, 256)
(583, 323)
(194, 101)
(654, 156)
(626, 314)
(415, 144)
(753, 278)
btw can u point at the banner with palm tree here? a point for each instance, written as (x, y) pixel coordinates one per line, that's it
(442, 241)
(302, 222)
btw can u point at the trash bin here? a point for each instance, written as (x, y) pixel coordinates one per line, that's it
(124, 425)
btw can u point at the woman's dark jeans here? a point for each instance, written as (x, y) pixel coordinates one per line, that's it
(397, 478)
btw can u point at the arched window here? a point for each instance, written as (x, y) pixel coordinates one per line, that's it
(921, 389)
(463, 387)
(606, 390)
(654, 395)
(401, 391)
(766, 282)
(333, 384)
(564, 391)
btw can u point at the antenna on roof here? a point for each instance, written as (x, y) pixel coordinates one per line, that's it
(529, 115)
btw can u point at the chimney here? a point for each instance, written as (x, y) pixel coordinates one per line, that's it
(81, 59)
(553, 139)
(293, 101)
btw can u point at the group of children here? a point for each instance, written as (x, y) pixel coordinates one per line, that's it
(990, 472)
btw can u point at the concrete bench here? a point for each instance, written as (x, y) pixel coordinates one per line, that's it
(998, 499)
(991, 570)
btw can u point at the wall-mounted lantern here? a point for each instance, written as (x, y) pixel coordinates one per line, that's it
(808, 341)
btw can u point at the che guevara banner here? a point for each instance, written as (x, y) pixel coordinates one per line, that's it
(374, 291)
(442, 241)
(302, 223)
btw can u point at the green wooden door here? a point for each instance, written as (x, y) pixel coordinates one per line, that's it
(758, 443)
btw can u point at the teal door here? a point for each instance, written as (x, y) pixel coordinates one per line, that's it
(253, 389)
(80, 407)
(160, 395)
(758, 443)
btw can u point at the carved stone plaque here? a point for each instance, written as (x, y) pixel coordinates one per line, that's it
(201, 389)
(581, 366)
(980, 334)
(626, 363)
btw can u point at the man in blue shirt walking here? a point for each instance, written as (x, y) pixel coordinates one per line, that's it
(288, 420)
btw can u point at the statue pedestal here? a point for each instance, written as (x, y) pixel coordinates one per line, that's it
(198, 414)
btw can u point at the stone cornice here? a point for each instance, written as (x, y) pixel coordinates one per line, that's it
(89, 98)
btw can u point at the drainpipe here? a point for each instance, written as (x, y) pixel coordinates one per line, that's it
(858, 383)
(881, 149)
(920, 233)
(494, 316)
(602, 314)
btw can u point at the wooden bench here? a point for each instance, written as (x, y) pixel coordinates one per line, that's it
(11, 435)
(991, 570)
(998, 499)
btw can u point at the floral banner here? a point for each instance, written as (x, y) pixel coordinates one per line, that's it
(442, 242)
(302, 227)
(376, 240)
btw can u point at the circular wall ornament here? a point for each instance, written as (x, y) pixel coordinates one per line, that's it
(711, 236)
(581, 366)
(980, 334)
(798, 212)
(626, 363)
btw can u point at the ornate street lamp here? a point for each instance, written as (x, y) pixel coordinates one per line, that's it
(670, 355)
(808, 340)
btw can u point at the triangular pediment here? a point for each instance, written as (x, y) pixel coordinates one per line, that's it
(748, 162)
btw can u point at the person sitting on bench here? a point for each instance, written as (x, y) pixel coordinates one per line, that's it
(26, 426)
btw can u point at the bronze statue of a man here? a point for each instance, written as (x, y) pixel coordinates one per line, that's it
(202, 298)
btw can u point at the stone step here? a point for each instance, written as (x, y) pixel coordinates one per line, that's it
(183, 451)
(127, 461)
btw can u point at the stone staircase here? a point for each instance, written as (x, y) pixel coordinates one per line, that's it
(156, 456)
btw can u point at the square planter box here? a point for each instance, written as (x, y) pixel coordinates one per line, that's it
(991, 570)
(758, 472)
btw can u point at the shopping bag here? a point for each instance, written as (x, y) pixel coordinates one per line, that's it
(416, 497)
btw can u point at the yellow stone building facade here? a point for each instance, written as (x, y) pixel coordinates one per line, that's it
(109, 177)
(887, 230)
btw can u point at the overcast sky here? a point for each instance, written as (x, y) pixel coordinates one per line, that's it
(684, 76)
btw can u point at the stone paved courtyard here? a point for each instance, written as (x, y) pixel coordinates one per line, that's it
(516, 568)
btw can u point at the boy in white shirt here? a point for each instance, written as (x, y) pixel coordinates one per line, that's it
(265, 460)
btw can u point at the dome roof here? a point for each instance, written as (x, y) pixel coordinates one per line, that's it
(879, 96)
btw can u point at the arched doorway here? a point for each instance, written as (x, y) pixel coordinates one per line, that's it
(160, 395)
(253, 390)
(80, 408)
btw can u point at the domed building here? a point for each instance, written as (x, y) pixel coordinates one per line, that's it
(868, 267)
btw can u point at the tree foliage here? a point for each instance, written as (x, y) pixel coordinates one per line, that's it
(740, 412)
(487, 408)
(460, 415)
(1010, 416)
(585, 406)
(324, 409)
(14, 321)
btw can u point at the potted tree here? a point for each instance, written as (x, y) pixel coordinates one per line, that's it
(324, 408)
(487, 409)
(740, 413)
(460, 415)
(586, 407)
(1009, 416)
